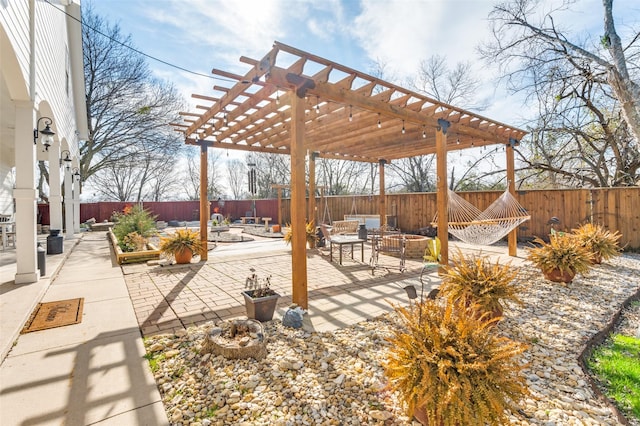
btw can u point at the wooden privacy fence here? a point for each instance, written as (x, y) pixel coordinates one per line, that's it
(614, 208)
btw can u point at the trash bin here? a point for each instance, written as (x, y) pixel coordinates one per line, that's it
(362, 232)
(42, 261)
(55, 242)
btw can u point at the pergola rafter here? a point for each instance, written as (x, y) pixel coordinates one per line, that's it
(293, 102)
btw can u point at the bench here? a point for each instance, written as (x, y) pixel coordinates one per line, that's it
(344, 227)
(253, 219)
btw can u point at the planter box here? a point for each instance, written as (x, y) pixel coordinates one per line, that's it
(261, 308)
(133, 256)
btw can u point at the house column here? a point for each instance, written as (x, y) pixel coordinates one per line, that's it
(76, 204)
(25, 194)
(55, 196)
(442, 195)
(68, 205)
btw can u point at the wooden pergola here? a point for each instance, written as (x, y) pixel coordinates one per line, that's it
(295, 103)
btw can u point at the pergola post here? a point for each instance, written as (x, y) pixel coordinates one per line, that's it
(279, 205)
(382, 202)
(442, 196)
(312, 187)
(204, 201)
(511, 182)
(298, 238)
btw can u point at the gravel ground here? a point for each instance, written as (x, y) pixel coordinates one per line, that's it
(337, 379)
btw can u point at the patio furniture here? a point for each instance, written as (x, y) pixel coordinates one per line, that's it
(387, 242)
(7, 230)
(340, 241)
(266, 221)
(250, 219)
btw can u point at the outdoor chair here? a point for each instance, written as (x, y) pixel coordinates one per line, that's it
(341, 243)
(391, 243)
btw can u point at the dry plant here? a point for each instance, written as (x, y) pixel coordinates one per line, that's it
(602, 243)
(453, 367)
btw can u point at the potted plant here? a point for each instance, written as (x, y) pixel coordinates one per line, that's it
(259, 298)
(181, 245)
(449, 368)
(310, 232)
(601, 243)
(561, 258)
(476, 283)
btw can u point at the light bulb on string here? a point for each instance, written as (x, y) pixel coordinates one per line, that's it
(317, 105)
(403, 130)
(379, 122)
(424, 132)
(277, 97)
(350, 114)
(458, 141)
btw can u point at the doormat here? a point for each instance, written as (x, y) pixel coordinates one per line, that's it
(55, 314)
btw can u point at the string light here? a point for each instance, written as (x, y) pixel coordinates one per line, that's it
(226, 120)
(403, 130)
(424, 132)
(277, 97)
(458, 141)
(379, 122)
(317, 104)
(350, 114)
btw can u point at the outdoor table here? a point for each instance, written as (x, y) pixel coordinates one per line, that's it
(266, 223)
(349, 240)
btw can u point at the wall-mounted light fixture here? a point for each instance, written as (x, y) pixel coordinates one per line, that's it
(47, 139)
(66, 159)
(76, 174)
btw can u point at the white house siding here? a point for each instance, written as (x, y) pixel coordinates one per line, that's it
(49, 93)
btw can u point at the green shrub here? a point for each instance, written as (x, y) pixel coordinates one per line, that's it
(135, 219)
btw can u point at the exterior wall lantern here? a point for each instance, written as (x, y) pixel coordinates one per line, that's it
(66, 159)
(47, 139)
(76, 174)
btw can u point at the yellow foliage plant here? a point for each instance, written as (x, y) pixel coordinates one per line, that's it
(453, 367)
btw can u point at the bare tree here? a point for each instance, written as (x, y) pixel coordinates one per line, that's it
(128, 110)
(236, 172)
(344, 177)
(214, 175)
(270, 169)
(586, 90)
(455, 86)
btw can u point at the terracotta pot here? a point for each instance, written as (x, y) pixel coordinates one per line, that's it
(421, 416)
(557, 276)
(183, 256)
(275, 228)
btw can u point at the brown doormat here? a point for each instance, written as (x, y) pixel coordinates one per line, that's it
(55, 314)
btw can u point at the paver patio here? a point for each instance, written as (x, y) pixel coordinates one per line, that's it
(168, 298)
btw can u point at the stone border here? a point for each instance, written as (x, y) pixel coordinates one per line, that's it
(597, 340)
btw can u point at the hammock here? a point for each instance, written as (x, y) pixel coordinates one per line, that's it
(472, 226)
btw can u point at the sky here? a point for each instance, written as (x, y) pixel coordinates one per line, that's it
(203, 34)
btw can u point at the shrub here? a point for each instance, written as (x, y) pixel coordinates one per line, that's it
(453, 366)
(474, 280)
(601, 243)
(135, 219)
(563, 252)
(133, 242)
